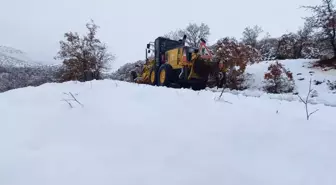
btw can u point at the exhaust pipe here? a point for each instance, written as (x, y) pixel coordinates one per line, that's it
(184, 39)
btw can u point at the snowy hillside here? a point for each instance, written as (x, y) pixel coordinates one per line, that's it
(323, 82)
(13, 57)
(18, 70)
(128, 134)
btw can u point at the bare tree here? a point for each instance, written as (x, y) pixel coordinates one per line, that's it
(305, 46)
(193, 32)
(323, 21)
(175, 35)
(305, 35)
(250, 35)
(84, 58)
(306, 101)
(297, 45)
(267, 47)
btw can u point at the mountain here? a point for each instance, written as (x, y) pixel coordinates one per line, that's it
(18, 70)
(15, 58)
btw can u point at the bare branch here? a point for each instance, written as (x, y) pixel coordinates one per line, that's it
(73, 98)
(309, 91)
(193, 32)
(76, 99)
(68, 103)
(313, 112)
(301, 99)
(305, 102)
(220, 96)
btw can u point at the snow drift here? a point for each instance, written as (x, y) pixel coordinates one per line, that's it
(129, 134)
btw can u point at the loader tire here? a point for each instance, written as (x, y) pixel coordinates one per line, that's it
(199, 86)
(165, 75)
(153, 77)
(133, 76)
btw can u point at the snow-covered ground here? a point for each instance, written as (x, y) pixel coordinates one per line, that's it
(127, 134)
(302, 74)
(14, 57)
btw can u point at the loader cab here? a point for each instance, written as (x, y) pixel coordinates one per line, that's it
(160, 46)
(190, 52)
(180, 56)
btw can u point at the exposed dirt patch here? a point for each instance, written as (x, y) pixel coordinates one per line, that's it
(325, 65)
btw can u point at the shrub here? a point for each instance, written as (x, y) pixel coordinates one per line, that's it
(235, 56)
(268, 48)
(278, 79)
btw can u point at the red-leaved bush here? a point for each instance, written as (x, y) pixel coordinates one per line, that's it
(235, 56)
(278, 79)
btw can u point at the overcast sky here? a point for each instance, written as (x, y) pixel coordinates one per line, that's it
(37, 26)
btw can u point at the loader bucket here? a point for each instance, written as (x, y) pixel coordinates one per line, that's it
(203, 67)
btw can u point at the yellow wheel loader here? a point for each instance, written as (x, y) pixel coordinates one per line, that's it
(176, 65)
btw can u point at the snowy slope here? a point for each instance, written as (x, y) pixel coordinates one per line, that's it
(14, 57)
(128, 134)
(302, 72)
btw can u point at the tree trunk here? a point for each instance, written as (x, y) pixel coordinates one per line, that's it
(334, 49)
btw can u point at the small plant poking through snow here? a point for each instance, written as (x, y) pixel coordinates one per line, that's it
(220, 97)
(307, 100)
(278, 79)
(72, 99)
